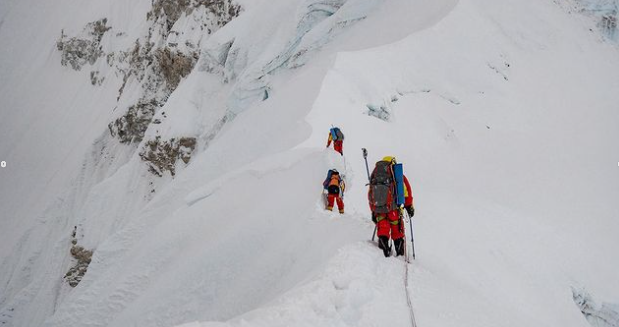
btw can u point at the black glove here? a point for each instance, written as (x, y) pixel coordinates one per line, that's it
(373, 218)
(410, 210)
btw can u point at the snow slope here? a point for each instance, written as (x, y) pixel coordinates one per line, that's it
(503, 114)
(50, 114)
(510, 147)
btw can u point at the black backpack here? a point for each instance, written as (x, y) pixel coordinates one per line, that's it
(333, 182)
(382, 188)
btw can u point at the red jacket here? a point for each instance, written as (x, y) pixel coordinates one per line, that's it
(408, 193)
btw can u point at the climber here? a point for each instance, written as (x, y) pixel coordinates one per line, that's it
(334, 187)
(336, 135)
(386, 213)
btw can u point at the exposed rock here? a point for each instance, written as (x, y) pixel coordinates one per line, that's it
(172, 10)
(132, 126)
(95, 79)
(174, 65)
(135, 61)
(159, 70)
(156, 64)
(161, 156)
(83, 257)
(160, 66)
(85, 49)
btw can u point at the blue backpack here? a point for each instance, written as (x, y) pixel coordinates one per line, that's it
(336, 134)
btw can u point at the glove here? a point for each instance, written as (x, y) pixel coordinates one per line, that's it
(410, 210)
(373, 218)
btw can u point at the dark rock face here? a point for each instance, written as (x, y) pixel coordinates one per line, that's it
(223, 10)
(83, 257)
(174, 65)
(132, 126)
(157, 62)
(161, 156)
(78, 51)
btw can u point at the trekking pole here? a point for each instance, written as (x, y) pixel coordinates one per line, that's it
(410, 221)
(367, 169)
(365, 157)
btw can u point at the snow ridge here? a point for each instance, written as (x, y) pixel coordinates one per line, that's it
(503, 114)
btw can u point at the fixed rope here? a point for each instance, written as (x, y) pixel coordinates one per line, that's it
(406, 275)
(408, 297)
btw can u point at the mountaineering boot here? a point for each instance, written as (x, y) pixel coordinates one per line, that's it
(383, 243)
(399, 246)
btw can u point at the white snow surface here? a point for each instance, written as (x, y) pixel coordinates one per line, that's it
(504, 114)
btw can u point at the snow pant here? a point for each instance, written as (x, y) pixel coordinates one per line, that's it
(339, 146)
(389, 223)
(335, 198)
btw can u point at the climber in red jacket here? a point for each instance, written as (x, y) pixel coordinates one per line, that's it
(385, 212)
(337, 137)
(334, 186)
